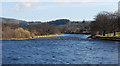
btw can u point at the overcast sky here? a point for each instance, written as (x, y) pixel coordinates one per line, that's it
(46, 10)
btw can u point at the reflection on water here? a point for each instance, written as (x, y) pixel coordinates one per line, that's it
(68, 49)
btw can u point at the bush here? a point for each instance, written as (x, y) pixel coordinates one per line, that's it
(7, 32)
(21, 33)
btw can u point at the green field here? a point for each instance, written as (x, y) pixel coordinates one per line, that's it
(111, 35)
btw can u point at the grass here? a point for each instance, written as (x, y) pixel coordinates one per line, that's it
(51, 35)
(14, 38)
(110, 35)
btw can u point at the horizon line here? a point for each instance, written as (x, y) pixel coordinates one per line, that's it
(46, 20)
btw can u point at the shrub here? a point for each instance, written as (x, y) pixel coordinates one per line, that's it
(21, 33)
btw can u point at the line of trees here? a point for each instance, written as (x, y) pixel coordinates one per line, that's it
(14, 30)
(75, 28)
(43, 29)
(105, 22)
(20, 31)
(8, 32)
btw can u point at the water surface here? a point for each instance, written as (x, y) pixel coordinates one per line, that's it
(68, 49)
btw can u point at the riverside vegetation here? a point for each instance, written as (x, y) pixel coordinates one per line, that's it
(106, 25)
(13, 31)
(16, 32)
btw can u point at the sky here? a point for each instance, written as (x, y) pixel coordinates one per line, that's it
(47, 10)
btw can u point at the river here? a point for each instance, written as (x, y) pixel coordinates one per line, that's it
(68, 49)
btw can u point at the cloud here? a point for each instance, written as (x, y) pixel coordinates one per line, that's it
(45, 5)
(47, 0)
(70, 0)
(21, 6)
(16, 7)
(40, 4)
(25, 4)
(60, 0)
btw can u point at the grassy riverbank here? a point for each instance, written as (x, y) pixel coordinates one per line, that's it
(51, 35)
(109, 36)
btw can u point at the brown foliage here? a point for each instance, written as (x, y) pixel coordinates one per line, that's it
(21, 33)
(105, 22)
(8, 32)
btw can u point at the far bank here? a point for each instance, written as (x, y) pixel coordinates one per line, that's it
(41, 36)
(109, 36)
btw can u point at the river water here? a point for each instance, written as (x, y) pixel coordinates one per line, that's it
(68, 49)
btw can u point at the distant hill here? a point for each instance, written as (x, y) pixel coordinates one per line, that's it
(55, 22)
(9, 20)
(59, 22)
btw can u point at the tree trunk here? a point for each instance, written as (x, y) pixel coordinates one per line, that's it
(103, 33)
(114, 33)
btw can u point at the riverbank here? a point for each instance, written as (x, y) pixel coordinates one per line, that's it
(104, 38)
(51, 35)
(109, 37)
